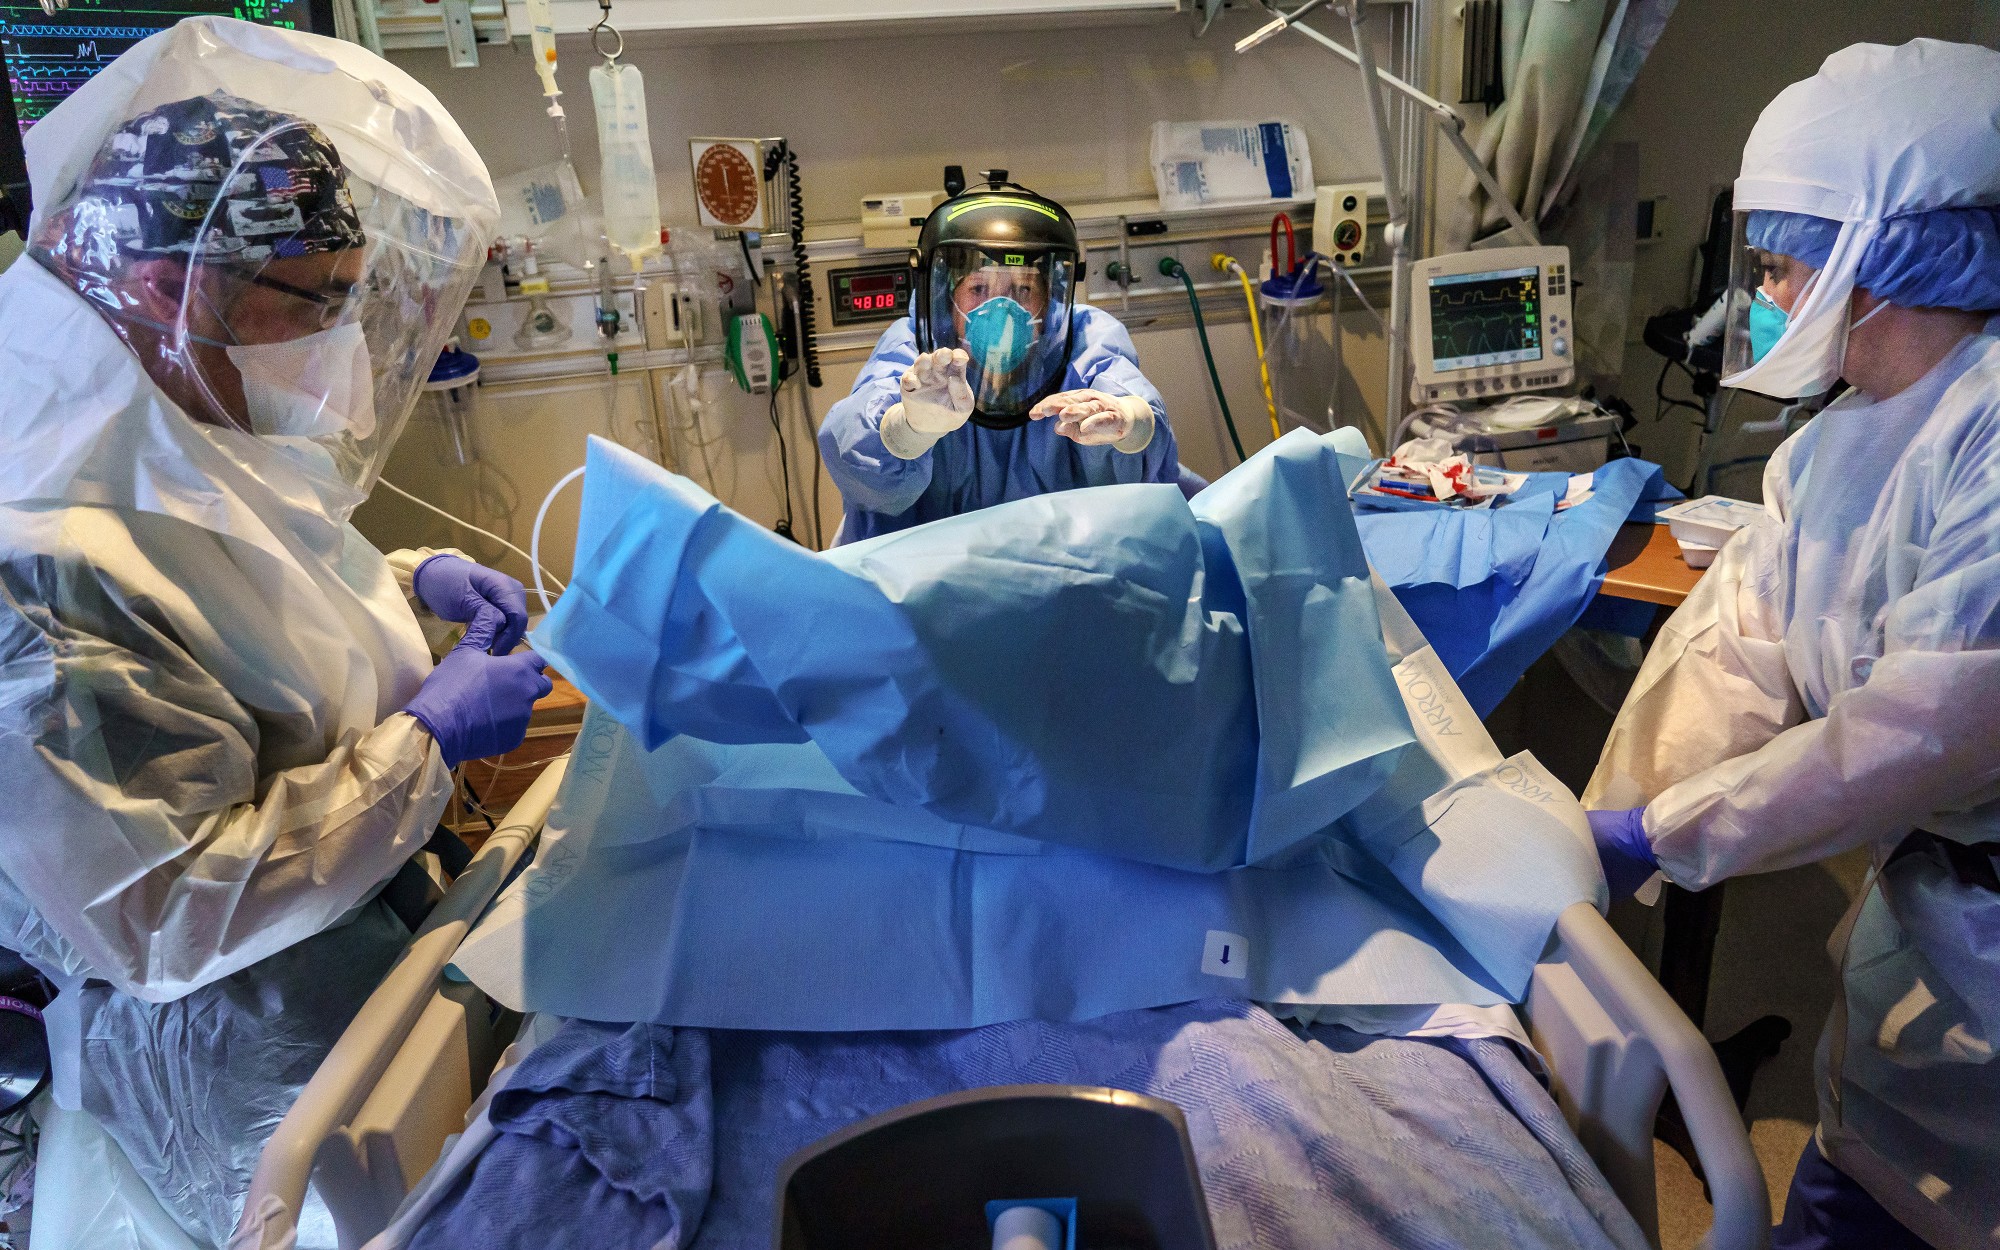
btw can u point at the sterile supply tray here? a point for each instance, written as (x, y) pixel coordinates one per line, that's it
(1369, 486)
(1698, 555)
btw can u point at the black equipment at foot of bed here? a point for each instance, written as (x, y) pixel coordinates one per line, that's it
(921, 1175)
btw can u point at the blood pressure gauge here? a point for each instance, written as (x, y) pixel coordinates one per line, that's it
(728, 182)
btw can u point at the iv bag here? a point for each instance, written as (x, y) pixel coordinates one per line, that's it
(631, 196)
(546, 204)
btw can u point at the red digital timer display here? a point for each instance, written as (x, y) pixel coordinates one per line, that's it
(879, 293)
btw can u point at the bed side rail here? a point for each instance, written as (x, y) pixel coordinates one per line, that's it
(338, 1090)
(1616, 1042)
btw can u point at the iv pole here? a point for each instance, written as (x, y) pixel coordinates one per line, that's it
(1396, 232)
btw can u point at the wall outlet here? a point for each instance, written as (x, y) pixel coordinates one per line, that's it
(672, 316)
(1651, 219)
(688, 318)
(657, 316)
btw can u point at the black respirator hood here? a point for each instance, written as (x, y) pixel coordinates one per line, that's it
(999, 215)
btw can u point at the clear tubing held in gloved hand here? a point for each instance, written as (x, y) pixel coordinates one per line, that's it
(477, 705)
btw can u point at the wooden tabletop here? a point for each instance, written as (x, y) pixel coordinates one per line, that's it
(561, 706)
(1646, 565)
(500, 782)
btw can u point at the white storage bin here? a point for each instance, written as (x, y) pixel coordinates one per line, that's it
(1710, 520)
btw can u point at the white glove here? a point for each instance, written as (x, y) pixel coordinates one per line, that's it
(936, 400)
(1095, 419)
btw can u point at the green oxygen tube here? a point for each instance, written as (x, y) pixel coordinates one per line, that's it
(1174, 269)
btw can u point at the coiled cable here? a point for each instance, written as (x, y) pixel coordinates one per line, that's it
(795, 221)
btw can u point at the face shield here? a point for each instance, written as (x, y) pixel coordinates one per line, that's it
(1940, 258)
(288, 279)
(1875, 174)
(1787, 323)
(1009, 311)
(325, 353)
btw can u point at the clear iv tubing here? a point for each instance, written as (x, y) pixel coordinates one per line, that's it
(1319, 262)
(1315, 259)
(1285, 318)
(1229, 264)
(562, 131)
(464, 524)
(535, 543)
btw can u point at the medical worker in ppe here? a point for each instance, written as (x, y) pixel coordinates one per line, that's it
(221, 730)
(1834, 680)
(998, 386)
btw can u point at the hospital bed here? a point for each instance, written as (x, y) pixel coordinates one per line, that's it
(401, 1080)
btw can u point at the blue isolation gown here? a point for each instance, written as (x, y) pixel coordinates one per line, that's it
(974, 467)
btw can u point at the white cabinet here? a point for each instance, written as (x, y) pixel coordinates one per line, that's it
(420, 23)
(573, 16)
(403, 24)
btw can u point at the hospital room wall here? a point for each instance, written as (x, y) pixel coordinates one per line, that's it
(529, 435)
(1983, 26)
(1717, 65)
(1067, 111)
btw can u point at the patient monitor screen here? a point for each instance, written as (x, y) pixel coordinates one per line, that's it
(1481, 319)
(51, 52)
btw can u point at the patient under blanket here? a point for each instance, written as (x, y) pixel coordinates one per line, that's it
(1056, 759)
(1055, 792)
(654, 1136)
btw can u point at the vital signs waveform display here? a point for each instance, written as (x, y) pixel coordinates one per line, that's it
(1480, 319)
(50, 55)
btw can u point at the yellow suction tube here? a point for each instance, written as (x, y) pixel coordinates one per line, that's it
(1229, 264)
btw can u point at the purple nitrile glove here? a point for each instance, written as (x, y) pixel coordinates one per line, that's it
(456, 589)
(477, 705)
(1621, 843)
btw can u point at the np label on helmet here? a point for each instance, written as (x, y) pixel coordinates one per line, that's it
(1226, 955)
(1014, 258)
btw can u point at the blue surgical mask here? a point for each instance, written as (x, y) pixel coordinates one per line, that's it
(1767, 324)
(998, 335)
